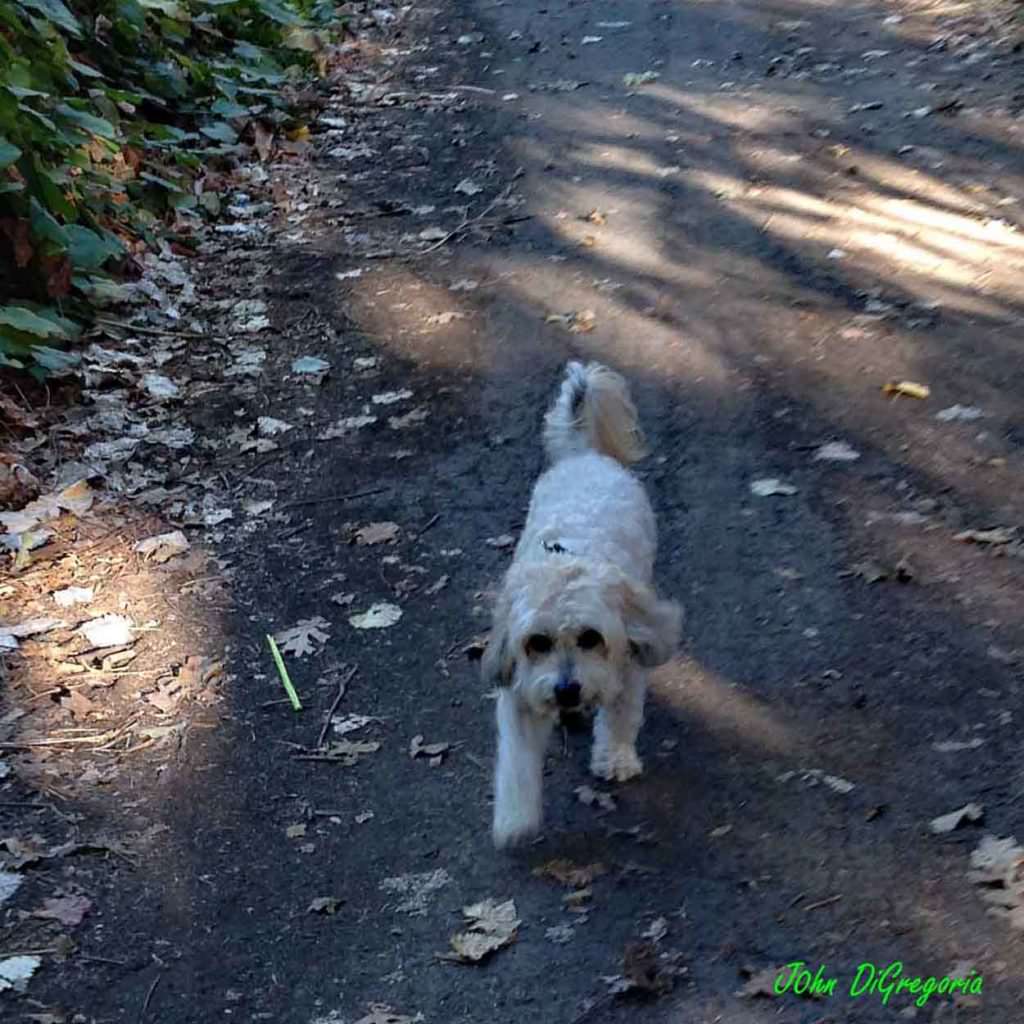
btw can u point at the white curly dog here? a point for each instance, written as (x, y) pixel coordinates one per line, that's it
(577, 624)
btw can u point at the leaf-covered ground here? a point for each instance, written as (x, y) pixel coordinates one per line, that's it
(796, 229)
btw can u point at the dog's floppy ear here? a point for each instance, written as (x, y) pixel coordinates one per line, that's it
(652, 626)
(497, 663)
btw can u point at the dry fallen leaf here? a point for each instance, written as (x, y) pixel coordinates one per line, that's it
(577, 322)
(377, 616)
(950, 822)
(107, 631)
(307, 636)
(592, 797)
(998, 864)
(347, 752)
(576, 876)
(418, 748)
(768, 486)
(836, 451)
(295, 831)
(505, 540)
(908, 388)
(17, 971)
(377, 533)
(69, 910)
(995, 536)
(324, 905)
(163, 546)
(380, 1013)
(491, 926)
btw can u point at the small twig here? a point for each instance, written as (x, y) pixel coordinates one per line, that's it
(596, 1005)
(824, 903)
(332, 497)
(467, 88)
(796, 899)
(430, 522)
(156, 331)
(342, 687)
(103, 960)
(327, 814)
(149, 996)
(15, 803)
(466, 222)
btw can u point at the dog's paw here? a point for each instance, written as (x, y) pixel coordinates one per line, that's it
(510, 830)
(616, 764)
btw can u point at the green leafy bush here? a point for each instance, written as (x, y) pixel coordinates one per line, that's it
(108, 109)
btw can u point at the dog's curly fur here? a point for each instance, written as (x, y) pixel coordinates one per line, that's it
(577, 624)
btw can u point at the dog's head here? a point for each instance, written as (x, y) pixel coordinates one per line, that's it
(565, 633)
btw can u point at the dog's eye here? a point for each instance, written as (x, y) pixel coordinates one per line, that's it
(538, 643)
(589, 639)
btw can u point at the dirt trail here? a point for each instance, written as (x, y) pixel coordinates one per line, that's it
(801, 203)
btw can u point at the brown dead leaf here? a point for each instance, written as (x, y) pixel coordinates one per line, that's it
(576, 876)
(377, 533)
(263, 140)
(577, 322)
(68, 910)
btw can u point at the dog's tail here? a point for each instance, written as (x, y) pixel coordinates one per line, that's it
(593, 411)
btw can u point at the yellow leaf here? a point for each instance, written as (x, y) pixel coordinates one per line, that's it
(909, 388)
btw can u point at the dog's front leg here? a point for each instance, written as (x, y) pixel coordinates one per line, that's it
(518, 784)
(614, 755)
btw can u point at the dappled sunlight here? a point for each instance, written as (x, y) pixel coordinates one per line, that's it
(967, 264)
(722, 707)
(762, 114)
(415, 318)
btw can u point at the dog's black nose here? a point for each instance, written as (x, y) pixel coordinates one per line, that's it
(567, 695)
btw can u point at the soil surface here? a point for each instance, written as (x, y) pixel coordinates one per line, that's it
(802, 203)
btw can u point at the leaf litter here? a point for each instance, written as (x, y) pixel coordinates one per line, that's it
(307, 636)
(968, 814)
(998, 866)
(378, 616)
(490, 926)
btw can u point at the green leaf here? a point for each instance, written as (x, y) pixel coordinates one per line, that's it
(8, 152)
(55, 361)
(225, 108)
(22, 319)
(46, 226)
(88, 249)
(85, 69)
(220, 132)
(56, 12)
(277, 12)
(96, 125)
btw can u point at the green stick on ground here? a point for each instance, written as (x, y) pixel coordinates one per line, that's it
(283, 672)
